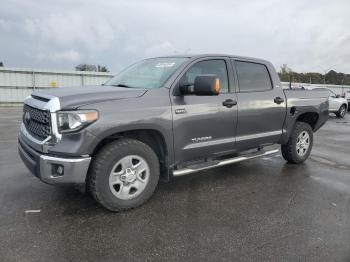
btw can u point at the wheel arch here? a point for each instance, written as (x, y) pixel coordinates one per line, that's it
(152, 137)
(344, 104)
(307, 115)
(310, 118)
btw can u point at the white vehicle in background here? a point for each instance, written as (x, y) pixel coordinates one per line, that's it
(347, 97)
(337, 104)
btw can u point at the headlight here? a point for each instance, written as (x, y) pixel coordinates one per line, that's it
(69, 121)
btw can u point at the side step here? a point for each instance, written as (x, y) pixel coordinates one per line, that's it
(189, 170)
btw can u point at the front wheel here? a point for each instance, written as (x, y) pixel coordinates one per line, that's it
(299, 145)
(124, 174)
(341, 112)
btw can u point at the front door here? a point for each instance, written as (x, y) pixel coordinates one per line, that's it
(203, 125)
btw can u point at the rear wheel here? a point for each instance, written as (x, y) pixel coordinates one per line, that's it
(124, 174)
(341, 112)
(299, 145)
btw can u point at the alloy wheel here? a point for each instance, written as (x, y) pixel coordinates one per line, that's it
(129, 177)
(303, 143)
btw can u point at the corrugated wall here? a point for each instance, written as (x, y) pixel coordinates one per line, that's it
(338, 89)
(17, 84)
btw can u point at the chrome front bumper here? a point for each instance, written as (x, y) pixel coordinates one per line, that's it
(47, 168)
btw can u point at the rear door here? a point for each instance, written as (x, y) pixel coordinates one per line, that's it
(261, 106)
(203, 126)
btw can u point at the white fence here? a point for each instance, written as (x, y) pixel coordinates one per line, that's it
(17, 84)
(338, 89)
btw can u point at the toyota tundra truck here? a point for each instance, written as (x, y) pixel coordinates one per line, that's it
(162, 118)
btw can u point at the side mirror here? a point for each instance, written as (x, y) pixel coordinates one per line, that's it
(337, 96)
(204, 85)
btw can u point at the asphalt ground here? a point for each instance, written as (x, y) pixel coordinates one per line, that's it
(258, 210)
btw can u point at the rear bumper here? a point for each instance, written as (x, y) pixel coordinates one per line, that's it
(48, 168)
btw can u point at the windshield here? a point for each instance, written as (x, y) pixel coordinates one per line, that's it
(331, 93)
(149, 73)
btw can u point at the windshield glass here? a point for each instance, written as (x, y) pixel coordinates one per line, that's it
(331, 93)
(149, 73)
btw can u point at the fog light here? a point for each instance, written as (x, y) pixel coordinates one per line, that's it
(57, 170)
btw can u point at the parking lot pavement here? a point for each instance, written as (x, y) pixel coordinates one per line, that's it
(259, 210)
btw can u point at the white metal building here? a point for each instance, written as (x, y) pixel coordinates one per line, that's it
(338, 89)
(16, 84)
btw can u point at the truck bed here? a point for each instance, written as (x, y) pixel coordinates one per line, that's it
(301, 97)
(310, 104)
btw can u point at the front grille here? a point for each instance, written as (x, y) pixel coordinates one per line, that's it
(37, 122)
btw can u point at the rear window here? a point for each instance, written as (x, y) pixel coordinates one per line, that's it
(252, 77)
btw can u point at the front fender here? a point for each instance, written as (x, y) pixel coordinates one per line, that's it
(149, 112)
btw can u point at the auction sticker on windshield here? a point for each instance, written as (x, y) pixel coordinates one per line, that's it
(163, 64)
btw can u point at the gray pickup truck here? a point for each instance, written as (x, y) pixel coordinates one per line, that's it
(165, 117)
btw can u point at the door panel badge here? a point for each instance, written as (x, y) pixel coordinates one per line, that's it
(180, 111)
(201, 139)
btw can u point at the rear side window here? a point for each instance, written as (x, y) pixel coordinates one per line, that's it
(252, 77)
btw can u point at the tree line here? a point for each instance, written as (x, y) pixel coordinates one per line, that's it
(331, 77)
(93, 68)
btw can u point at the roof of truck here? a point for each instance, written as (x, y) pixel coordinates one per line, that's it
(195, 56)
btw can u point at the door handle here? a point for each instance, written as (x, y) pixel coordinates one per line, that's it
(229, 103)
(278, 100)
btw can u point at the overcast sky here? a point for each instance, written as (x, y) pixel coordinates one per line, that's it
(305, 34)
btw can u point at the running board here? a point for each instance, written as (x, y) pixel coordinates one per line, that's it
(189, 170)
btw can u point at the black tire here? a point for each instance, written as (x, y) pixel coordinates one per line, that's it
(101, 167)
(289, 150)
(341, 112)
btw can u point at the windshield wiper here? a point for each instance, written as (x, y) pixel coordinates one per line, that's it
(123, 85)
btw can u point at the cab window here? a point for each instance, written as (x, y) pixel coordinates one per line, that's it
(252, 77)
(216, 67)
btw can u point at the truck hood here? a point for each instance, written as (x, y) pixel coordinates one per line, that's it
(74, 97)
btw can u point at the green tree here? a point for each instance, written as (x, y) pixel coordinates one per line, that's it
(332, 77)
(92, 68)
